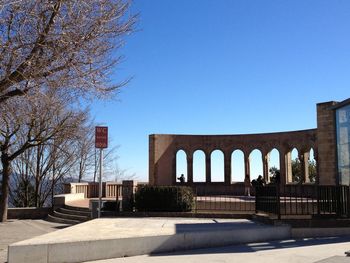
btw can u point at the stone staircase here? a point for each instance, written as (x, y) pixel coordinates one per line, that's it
(70, 215)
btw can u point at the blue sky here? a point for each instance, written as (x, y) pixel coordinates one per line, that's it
(226, 67)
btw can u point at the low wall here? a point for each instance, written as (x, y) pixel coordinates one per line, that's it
(28, 212)
(61, 200)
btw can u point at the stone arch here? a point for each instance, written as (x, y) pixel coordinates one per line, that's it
(237, 165)
(181, 164)
(217, 166)
(255, 164)
(273, 163)
(294, 171)
(199, 166)
(312, 167)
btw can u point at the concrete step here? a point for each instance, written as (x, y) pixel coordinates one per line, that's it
(70, 216)
(76, 208)
(64, 210)
(55, 219)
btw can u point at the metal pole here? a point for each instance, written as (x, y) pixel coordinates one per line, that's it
(100, 184)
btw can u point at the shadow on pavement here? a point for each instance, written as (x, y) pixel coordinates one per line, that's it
(254, 247)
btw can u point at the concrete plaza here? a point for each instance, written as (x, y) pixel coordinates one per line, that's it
(18, 230)
(119, 237)
(308, 250)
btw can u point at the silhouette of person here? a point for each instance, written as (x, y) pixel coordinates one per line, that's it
(260, 181)
(247, 185)
(181, 178)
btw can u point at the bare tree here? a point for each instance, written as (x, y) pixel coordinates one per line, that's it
(21, 186)
(85, 151)
(119, 174)
(60, 44)
(27, 123)
(38, 171)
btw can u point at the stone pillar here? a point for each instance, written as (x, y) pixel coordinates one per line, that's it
(190, 167)
(288, 162)
(265, 160)
(73, 188)
(326, 144)
(173, 169)
(283, 168)
(227, 167)
(302, 166)
(207, 168)
(306, 166)
(128, 191)
(247, 166)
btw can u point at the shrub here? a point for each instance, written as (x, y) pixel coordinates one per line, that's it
(164, 198)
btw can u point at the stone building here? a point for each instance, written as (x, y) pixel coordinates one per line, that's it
(330, 143)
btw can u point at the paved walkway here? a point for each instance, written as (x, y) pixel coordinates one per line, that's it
(325, 250)
(17, 230)
(322, 250)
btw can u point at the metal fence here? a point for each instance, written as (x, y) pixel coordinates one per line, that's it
(311, 200)
(208, 202)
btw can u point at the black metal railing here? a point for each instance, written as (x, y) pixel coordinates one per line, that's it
(207, 202)
(267, 199)
(312, 200)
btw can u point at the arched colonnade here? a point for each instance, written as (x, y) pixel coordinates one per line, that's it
(164, 148)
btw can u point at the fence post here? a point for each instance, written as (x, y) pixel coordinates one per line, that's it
(195, 200)
(278, 202)
(318, 199)
(256, 199)
(347, 201)
(338, 190)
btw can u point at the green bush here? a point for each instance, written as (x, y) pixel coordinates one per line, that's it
(164, 198)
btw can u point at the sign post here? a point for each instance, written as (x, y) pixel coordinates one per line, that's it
(101, 142)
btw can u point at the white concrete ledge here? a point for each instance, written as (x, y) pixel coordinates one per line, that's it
(61, 200)
(111, 238)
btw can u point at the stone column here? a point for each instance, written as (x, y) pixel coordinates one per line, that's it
(207, 168)
(302, 166)
(288, 161)
(227, 167)
(190, 167)
(306, 166)
(265, 160)
(128, 191)
(247, 166)
(173, 169)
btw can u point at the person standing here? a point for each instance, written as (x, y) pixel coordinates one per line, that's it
(260, 181)
(247, 185)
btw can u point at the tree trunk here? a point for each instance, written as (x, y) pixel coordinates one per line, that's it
(6, 172)
(53, 182)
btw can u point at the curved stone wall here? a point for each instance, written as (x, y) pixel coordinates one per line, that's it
(163, 149)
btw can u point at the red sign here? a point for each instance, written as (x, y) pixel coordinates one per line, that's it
(101, 137)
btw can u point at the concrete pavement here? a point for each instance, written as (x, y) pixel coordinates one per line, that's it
(18, 230)
(322, 250)
(119, 237)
